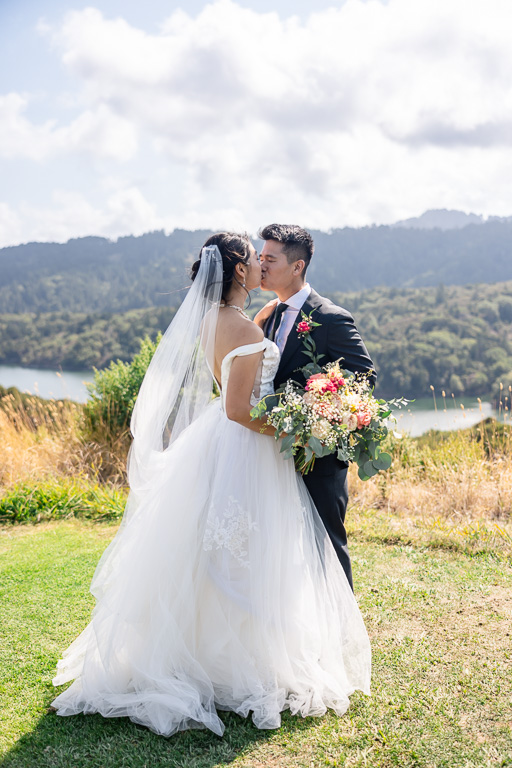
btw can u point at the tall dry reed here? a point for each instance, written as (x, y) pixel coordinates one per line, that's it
(46, 438)
(460, 476)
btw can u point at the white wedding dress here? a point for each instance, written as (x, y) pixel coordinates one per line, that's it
(220, 592)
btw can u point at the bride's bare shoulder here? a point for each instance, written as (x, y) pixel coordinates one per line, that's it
(234, 330)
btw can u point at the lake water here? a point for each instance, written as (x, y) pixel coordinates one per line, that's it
(57, 384)
(420, 416)
(415, 419)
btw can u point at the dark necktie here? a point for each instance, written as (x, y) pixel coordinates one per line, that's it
(277, 320)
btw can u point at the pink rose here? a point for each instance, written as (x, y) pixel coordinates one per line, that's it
(339, 381)
(303, 327)
(363, 419)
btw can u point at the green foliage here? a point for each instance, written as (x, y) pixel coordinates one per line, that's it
(75, 341)
(114, 391)
(462, 344)
(61, 499)
(93, 274)
(494, 436)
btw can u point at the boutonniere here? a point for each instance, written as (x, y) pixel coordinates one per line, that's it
(304, 329)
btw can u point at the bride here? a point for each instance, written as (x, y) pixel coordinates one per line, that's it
(221, 590)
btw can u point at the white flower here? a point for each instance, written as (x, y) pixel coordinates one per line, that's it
(351, 421)
(321, 429)
(352, 399)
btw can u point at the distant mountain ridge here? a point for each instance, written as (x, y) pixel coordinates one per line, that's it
(93, 274)
(441, 218)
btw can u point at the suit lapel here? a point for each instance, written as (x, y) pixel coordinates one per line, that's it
(294, 341)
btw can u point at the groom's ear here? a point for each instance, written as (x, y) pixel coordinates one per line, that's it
(299, 267)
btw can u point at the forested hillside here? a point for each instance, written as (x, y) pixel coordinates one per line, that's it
(93, 274)
(75, 341)
(457, 338)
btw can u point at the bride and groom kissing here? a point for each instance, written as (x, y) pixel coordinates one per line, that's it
(285, 257)
(228, 585)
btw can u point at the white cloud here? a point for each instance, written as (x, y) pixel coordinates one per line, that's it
(98, 132)
(10, 226)
(366, 112)
(69, 214)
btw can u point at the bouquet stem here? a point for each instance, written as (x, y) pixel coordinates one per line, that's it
(301, 465)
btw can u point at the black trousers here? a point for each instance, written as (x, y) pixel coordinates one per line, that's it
(327, 484)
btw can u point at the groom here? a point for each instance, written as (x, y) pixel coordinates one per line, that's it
(284, 260)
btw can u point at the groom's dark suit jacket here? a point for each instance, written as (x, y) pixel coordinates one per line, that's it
(337, 336)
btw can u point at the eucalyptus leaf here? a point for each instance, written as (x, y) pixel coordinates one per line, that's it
(383, 462)
(316, 445)
(362, 474)
(287, 443)
(369, 469)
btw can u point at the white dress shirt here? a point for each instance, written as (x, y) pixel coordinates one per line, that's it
(295, 304)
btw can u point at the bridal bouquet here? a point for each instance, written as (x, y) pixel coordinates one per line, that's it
(335, 413)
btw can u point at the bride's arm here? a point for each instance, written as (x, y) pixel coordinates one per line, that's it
(238, 396)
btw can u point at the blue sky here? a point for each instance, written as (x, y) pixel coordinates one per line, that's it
(121, 117)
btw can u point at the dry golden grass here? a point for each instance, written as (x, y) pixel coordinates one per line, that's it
(41, 439)
(453, 486)
(462, 478)
(453, 489)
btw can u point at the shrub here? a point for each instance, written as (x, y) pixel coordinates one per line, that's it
(113, 393)
(57, 499)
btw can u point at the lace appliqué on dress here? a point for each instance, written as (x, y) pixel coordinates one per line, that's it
(230, 530)
(264, 384)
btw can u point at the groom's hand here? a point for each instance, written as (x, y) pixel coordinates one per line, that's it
(264, 313)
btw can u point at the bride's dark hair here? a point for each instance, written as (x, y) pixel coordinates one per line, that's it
(234, 249)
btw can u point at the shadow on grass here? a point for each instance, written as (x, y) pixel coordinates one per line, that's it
(91, 741)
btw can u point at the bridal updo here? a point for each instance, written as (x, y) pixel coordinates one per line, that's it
(234, 249)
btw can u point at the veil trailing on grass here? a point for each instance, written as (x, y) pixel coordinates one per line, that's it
(177, 386)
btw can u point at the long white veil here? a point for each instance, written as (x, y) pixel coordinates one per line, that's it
(178, 383)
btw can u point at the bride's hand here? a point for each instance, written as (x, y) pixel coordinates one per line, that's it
(263, 315)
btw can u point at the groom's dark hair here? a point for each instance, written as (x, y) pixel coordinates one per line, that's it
(297, 242)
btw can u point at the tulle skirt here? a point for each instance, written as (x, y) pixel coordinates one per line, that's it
(220, 591)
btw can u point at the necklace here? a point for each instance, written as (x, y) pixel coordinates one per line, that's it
(238, 309)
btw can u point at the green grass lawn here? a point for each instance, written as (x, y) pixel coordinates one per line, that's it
(441, 630)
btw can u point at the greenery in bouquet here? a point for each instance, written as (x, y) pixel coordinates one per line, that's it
(334, 413)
